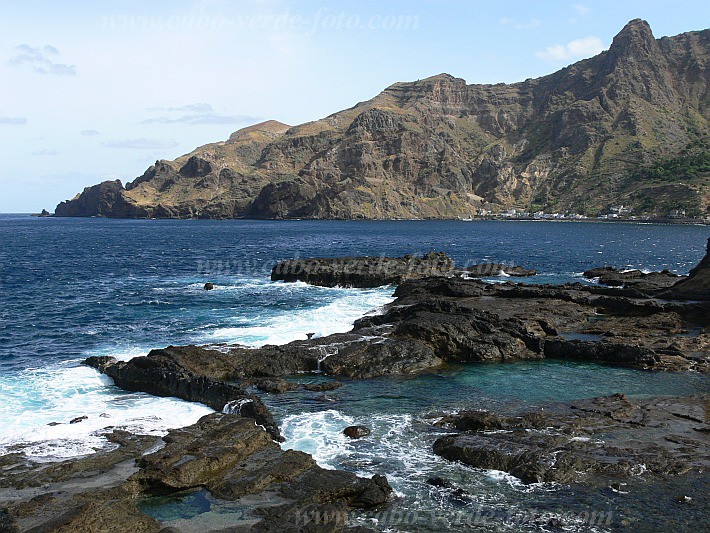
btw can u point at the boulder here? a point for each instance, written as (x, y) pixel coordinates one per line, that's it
(356, 432)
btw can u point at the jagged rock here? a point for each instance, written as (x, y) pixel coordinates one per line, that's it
(228, 455)
(581, 139)
(697, 285)
(362, 271)
(473, 421)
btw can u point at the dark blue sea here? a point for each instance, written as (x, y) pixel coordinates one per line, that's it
(72, 288)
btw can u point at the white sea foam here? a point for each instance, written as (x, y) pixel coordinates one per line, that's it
(35, 398)
(337, 313)
(395, 446)
(319, 434)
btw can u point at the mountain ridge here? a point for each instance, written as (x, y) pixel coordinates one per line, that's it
(587, 137)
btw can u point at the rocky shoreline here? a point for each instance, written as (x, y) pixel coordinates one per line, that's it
(441, 316)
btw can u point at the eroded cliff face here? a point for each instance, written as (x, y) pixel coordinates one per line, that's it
(577, 139)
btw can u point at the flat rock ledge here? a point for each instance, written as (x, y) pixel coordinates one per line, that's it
(226, 454)
(597, 441)
(368, 272)
(362, 271)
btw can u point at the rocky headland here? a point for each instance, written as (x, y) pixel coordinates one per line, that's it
(442, 316)
(627, 127)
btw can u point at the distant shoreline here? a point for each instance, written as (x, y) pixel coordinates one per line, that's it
(659, 221)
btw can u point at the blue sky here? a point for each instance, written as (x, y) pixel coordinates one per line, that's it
(91, 91)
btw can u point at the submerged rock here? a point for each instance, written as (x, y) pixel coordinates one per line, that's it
(323, 387)
(276, 386)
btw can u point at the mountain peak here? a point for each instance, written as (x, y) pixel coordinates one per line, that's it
(610, 131)
(269, 127)
(635, 36)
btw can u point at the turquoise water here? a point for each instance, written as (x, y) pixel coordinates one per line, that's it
(71, 288)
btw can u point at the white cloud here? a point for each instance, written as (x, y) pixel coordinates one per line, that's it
(194, 114)
(90, 133)
(532, 23)
(45, 151)
(15, 121)
(577, 49)
(38, 60)
(582, 9)
(141, 144)
(202, 118)
(193, 108)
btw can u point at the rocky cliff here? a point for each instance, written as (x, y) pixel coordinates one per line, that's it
(628, 126)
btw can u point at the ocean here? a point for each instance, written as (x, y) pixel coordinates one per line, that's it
(72, 288)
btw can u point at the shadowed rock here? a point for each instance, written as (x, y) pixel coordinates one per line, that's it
(697, 285)
(362, 271)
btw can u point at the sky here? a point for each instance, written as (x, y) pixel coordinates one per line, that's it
(99, 90)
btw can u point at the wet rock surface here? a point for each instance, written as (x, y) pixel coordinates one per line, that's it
(229, 455)
(596, 441)
(160, 376)
(356, 432)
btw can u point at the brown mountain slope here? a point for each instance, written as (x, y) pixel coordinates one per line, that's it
(628, 126)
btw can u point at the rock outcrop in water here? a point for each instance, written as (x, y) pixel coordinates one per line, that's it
(597, 441)
(362, 271)
(164, 377)
(648, 283)
(227, 455)
(434, 321)
(446, 320)
(628, 126)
